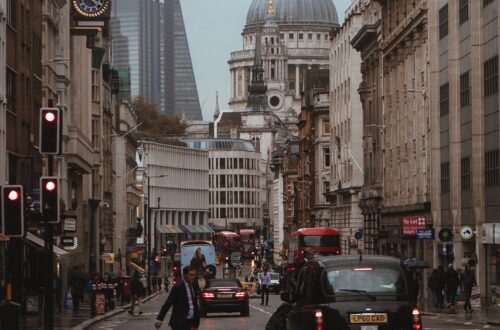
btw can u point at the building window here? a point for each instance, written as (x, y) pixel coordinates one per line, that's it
(444, 99)
(487, 2)
(310, 36)
(445, 178)
(466, 174)
(282, 36)
(326, 187)
(11, 90)
(443, 22)
(290, 36)
(95, 86)
(301, 36)
(11, 12)
(222, 181)
(491, 168)
(464, 89)
(222, 163)
(463, 11)
(491, 76)
(326, 157)
(95, 134)
(222, 197)
(326, 127)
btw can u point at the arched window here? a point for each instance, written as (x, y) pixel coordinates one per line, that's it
(256, 143)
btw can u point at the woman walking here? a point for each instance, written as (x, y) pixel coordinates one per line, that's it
(137, 290)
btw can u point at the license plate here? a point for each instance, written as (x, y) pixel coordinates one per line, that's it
(369, 327)
(368, 318)
(225, 295)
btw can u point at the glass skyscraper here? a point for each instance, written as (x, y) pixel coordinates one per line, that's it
(149, 38)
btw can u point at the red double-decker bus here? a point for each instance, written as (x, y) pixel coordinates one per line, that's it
(226, 242)
(323, 241)
(247, 237)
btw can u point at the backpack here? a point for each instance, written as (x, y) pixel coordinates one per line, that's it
(277, 321)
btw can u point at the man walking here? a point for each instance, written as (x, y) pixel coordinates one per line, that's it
(137, 292)
(264, 287)
(452, 282)
(184, 299)
(468, 282)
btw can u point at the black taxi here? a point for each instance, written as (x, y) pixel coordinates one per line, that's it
(352, 292)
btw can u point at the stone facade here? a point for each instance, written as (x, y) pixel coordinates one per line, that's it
(346, 118)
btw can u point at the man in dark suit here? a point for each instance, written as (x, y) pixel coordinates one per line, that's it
(184, 299)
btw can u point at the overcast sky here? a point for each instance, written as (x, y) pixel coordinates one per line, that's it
(214, 31)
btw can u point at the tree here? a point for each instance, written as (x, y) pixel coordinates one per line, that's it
(157, 126)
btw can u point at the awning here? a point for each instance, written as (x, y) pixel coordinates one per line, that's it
(162, 229)
(173, 229)
(40, 242)
(206, 229)
(186, 229)
(137, 267)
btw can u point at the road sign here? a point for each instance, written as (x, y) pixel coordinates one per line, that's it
(466, 232)
(425, 233)
(358, 235)
(70, 225)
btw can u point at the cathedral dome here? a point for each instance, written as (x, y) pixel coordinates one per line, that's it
(294, 12)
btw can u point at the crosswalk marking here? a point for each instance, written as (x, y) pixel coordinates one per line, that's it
(261, 310)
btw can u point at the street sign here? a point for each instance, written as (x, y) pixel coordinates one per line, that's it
(411, 224)
(425, 233)
(67, 241)
(358, 235)
(70, 225)
(466, 233)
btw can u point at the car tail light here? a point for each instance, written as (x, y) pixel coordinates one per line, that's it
(207, 295)
(416, 319)
(319, 319)
(241, 294)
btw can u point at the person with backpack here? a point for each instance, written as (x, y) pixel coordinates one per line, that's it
(452, 283)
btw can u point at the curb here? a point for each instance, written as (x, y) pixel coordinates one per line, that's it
(493, 323)
(119, 310)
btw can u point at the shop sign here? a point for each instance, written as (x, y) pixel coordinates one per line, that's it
(425, 233)
(488, 234)
(70, 225)
(411, 224)
(67, 241)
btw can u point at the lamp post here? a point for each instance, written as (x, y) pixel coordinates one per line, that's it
(148, 230)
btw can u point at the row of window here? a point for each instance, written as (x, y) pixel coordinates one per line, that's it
(233, 197)
(463, 15)
(291, 36)
(233, 163)
(491, 172)
(490, 82)
(235, 213)
(230, 181)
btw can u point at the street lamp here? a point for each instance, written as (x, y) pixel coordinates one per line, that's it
(148, 228)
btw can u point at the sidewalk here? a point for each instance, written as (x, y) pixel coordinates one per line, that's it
(483, 314)
(67, 319)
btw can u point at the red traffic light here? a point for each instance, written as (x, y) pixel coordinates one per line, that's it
(50, 185)
(50, 116)
(13, 195)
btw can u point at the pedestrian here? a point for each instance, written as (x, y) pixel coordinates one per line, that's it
(468, 282)
(159, 283)
(154, 282)
(441, 274)
(414, 280)
(137, 292)
(77, 283)
(452, 282)
(436, 285)
(264, 287)
(167, 284)
(184, 299)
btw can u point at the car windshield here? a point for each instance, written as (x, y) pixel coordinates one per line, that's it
(222, 284)
(366, 279)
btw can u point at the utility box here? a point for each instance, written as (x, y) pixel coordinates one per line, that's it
(10, 315)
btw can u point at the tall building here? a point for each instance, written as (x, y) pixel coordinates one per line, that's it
(465, 124)
(134, 30)
(180, 92)
(149, 38)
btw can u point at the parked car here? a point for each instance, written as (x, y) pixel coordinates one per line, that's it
(352, 292)
(224, 296)
(274, 286)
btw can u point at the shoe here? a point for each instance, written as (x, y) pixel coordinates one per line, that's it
(131, 313)
(140, 312)
(470, 311)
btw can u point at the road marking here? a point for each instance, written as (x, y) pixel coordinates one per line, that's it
(468, 323)
(261, 310)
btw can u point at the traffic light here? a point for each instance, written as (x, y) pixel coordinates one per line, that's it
(49, 199)
(50, 130)
(12, 211)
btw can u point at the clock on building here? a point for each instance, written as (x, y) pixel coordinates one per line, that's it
(91, 9)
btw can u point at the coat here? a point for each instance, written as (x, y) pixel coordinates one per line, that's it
(178, 298)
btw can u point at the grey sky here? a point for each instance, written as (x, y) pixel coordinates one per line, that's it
(214, 31)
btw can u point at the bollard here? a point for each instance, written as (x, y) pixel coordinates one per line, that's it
(92, 300)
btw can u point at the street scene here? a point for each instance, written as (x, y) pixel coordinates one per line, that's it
(249, 164)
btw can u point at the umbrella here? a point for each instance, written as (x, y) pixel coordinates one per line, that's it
(415, 263)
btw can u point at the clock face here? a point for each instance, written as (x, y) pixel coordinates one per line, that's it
(91, 8)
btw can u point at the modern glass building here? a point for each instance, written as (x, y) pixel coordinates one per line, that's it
(150, 39)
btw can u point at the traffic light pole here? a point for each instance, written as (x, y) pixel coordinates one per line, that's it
(48, 311)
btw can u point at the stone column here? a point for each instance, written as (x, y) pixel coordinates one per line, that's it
(297, 82)
(244, 82)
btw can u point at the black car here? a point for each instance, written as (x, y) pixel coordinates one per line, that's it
(224, 296)
(352, 292)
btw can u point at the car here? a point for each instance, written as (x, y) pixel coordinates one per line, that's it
(224, 296)
(352, 292)
(274, 286)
